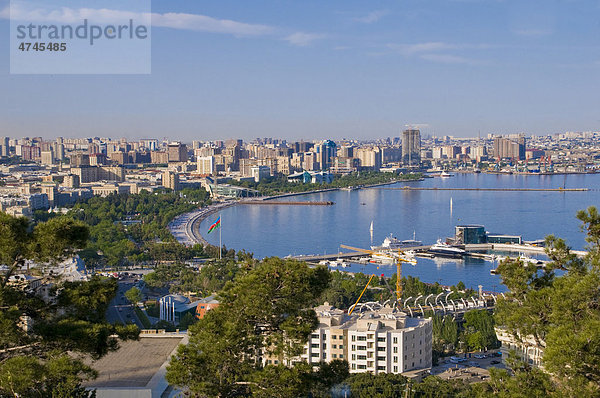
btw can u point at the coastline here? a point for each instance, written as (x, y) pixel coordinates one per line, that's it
(183, 227)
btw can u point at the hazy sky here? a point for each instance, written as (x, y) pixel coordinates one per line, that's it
(330, 69)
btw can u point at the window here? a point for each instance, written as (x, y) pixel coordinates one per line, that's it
(405, 358)
(341, 346)
(353, 338)
(334, 356)
(324, 336)
(324, 355)
(381, 368)
(381, 339)
(395, 340)
(341, 337)
(413, 364)
(314, 345)
(324, 346)
(380, 348)
(362, 347)
(395, 350)
(395, 359)
(362, 338)
(361, 357)
(362, 367)
(395, 369)
(314, 355)
(341, 356)
(276, 362)
(333, 336)
(354, 357)
(381, 359)
(353, 366)
(353, 347)
(334, 346)
(314, 336)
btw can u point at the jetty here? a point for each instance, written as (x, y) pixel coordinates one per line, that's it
(408, 188)
(295, 203)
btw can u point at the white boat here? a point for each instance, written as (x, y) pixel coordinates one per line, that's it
(445, 250)
(393, 243)
(445, 174)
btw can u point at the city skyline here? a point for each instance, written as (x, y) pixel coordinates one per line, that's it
(337, 70)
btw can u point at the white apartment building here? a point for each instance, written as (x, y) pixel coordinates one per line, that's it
(378, 341)
(526, 348)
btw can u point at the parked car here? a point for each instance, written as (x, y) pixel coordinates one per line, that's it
(495, 362)
(479, 356)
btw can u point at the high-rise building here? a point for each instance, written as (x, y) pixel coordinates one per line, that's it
(369, 157)
(205, 165)
(177, 152)
(326, 151)
(47, 157)
(513, 148)
(411, 147)
(170, 180)
(5, 146)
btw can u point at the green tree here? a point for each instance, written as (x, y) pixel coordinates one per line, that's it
(479, 330)
(560, 313)
(266, 310)
(383, 385)
(134, 295)
(72, 319)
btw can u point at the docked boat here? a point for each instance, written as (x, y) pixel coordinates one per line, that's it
(445, 174)
(393, 243)
(445, 250)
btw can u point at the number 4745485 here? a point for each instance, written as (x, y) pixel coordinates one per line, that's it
(43, 46)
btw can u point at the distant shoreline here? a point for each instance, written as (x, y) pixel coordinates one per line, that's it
(189, 234)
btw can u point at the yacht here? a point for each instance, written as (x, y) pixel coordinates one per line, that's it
(445, 250)
(445, 174)
(393, 243)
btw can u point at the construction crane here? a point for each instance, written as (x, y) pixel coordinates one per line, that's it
(398, 257)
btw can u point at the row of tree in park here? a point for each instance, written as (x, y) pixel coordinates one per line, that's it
(280, 184)
(130, 229)
(266, 307)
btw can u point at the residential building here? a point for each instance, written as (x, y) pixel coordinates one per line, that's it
(377, 341)
(205, 165)
(170, 180)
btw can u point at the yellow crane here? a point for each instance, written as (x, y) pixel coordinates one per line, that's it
(395, 255)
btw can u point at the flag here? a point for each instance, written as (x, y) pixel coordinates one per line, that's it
(215, 225)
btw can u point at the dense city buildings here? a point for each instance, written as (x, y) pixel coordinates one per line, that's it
(39, 174)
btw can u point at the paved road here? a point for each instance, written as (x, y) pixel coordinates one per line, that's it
(120, 309)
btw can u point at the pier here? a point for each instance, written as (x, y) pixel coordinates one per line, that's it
(408, 188)
(273, 202)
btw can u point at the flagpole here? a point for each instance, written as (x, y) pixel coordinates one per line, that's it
(220, 228)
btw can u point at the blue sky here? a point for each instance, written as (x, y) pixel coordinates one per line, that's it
(330, 69)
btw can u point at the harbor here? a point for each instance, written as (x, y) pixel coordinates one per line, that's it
(314, 233)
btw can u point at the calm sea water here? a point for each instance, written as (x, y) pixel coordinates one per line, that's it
(283, 230)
